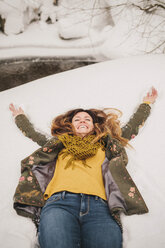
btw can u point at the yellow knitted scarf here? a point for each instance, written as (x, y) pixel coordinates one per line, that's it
(79, 148)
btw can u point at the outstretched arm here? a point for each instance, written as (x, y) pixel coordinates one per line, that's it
(131, 129)
(26, 127)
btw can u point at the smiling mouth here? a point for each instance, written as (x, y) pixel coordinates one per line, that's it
(82, 127)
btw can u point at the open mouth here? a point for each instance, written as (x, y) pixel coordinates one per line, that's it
(82, 127)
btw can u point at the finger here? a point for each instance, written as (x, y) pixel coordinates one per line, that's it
(155, 92)
(11, 107)
(152, 90)
(21, 110)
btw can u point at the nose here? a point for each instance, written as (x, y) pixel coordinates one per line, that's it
(82, 121)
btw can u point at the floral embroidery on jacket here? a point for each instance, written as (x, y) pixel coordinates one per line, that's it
(132, 192)
(31, 162)
(22, 178)
(30, 179)
(45, 149)
(133, 136)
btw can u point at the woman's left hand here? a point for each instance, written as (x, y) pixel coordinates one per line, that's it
(151, 96)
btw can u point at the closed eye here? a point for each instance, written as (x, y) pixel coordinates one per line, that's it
(80, 120)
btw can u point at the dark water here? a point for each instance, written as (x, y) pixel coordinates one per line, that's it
(18, 71)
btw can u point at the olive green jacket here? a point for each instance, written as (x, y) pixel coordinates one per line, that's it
(37, 170)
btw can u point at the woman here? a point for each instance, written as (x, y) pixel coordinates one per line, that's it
(77, 183)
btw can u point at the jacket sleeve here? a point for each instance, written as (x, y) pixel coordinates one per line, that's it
(28, 130)
(131, 129)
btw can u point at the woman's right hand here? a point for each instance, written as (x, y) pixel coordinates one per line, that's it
(16, 111)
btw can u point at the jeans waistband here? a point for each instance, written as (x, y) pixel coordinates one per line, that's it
(67, 193)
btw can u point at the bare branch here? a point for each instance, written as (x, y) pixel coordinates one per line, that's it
(150, 8)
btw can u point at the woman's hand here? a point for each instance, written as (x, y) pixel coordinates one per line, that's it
(151, 96)
(16, 111)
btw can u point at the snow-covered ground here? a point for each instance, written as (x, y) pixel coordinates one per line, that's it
(41, 39)
(103, 29)
(120, 83)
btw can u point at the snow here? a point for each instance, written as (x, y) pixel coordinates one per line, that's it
(43, 39)
(102, 29)
(17, 14)
(120, 83)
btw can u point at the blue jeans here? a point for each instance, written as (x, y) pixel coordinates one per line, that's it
(71, 220)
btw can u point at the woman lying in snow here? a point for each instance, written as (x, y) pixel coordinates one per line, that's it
(76, 185)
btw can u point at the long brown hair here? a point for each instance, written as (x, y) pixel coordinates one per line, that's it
(105, 122)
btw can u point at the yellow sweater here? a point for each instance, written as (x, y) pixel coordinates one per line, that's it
(78, 178)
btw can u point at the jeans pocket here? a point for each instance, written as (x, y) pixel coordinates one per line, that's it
(53, 198)
(103, 201)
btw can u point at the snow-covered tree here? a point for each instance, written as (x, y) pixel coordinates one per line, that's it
(17, 14)
(128, 27)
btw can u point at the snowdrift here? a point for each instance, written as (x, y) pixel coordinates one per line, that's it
(122, 84)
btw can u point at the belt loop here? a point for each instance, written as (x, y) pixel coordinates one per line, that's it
(63, 195)
(96, 197)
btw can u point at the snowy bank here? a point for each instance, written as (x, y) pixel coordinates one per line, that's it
(120, 83)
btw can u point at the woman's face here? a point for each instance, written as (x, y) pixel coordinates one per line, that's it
(82, 123)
